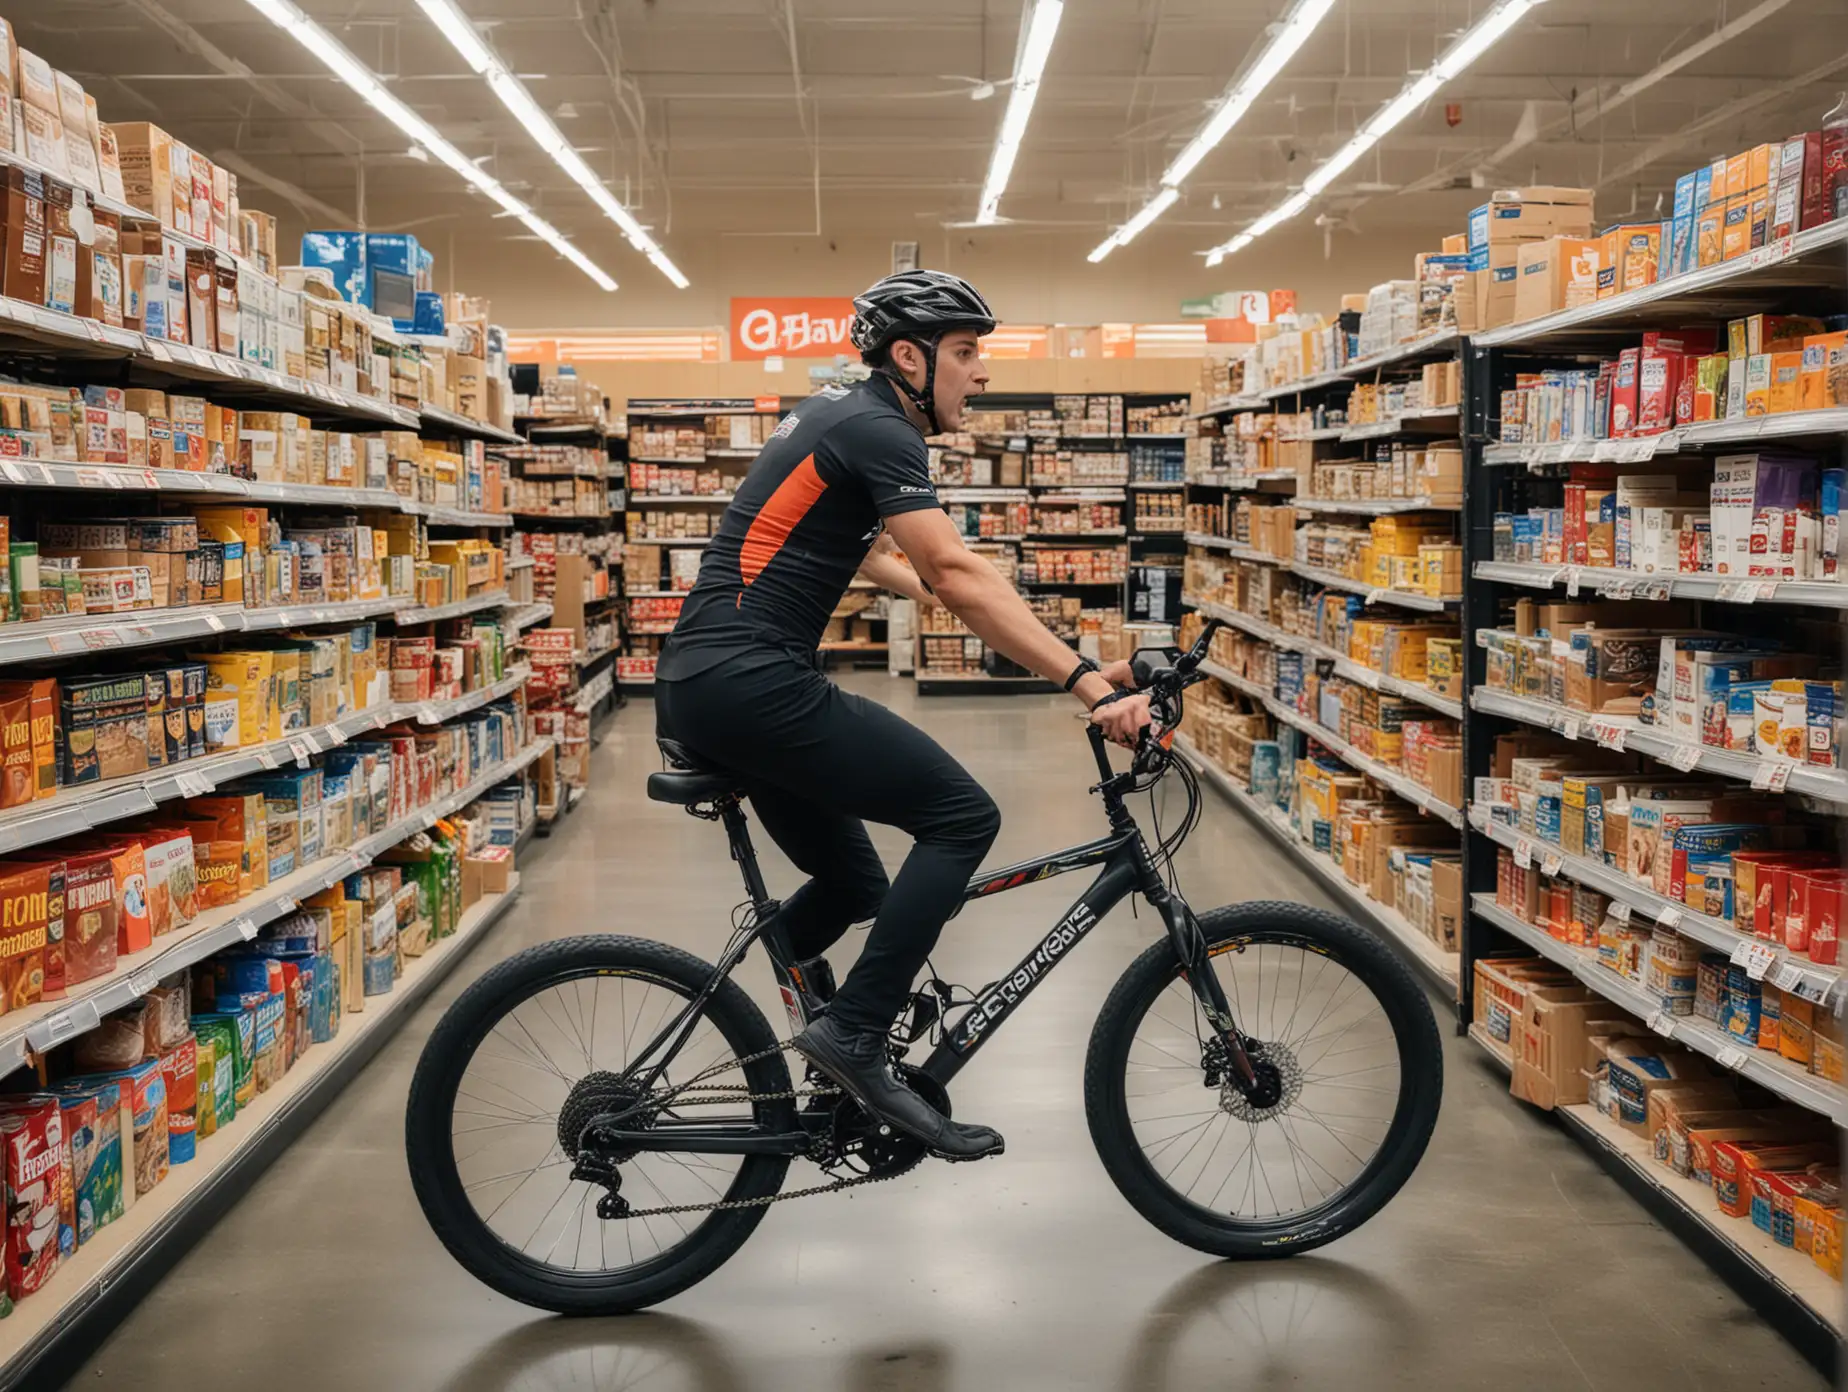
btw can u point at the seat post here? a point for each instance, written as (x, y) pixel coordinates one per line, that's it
(738, 833)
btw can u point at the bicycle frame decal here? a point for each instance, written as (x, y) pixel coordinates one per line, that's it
(1043, 868)
(1004, 995)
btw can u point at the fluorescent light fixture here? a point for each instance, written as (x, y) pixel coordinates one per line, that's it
(1473, 43)
(1042, 24)
(1244, 89)
(356, 75)
(479, 55)
(1151, 210)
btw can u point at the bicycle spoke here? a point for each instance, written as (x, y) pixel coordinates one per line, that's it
(1319, 1026)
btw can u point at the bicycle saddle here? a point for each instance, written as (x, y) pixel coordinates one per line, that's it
(691, 780)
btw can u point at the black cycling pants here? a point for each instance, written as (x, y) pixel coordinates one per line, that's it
(815, 761)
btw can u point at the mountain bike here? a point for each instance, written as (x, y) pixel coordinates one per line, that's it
(598, 1123)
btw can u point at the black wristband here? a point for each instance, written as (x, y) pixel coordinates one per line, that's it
(1084, 665)
(1113, 695)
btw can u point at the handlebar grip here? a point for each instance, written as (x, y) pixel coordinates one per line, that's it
(1143, 671)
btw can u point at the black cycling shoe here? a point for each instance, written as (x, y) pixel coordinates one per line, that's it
(860, 1064)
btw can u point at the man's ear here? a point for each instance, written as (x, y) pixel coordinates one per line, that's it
(906, 357)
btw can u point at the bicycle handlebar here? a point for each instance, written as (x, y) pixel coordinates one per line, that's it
(1164, 683)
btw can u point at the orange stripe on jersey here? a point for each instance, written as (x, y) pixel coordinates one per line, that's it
(786, 507)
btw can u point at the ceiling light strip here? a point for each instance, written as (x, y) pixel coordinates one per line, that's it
(1042, 24)
(479, 55)
(1474, 42)
(362, 80)
(1243, 90)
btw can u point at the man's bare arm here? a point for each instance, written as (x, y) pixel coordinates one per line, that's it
(885, 570)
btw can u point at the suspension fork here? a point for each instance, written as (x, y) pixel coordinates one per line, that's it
(1189, 941)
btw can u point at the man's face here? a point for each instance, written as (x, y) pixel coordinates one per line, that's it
(960, 375)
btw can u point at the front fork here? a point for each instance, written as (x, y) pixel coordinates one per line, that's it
(1190, 946)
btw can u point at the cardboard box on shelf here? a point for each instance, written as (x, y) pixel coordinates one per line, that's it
(1555, 273)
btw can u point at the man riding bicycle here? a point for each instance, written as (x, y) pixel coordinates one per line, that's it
(842, 485)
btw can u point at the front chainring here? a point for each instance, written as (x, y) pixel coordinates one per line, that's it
(862, 1146)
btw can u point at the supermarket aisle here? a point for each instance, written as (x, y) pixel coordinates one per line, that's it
(1510, 1257)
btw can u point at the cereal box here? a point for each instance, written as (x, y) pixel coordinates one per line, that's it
(93, 1133)
(32, 1136)
(179, 1069)
(25, 909)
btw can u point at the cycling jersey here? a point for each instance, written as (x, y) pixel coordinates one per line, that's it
(803, 520)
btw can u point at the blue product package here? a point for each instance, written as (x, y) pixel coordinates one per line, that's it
(1681, 240)
(1478, 259)
(1526, 532)
(1743, 1001)
(1830, 507)
(1479, 233)
(426, 269)
(429, 318)
(242, 973)
(1266, 769)
(344, 255)
(394, 251)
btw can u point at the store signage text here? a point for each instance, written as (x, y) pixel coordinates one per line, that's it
(806, 327)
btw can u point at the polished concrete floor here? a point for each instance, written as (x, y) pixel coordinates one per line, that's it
(1508, 1260)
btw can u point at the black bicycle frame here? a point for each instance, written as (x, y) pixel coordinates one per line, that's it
(1128, 868)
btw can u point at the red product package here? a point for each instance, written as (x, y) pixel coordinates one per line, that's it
(1624, 393)
(1814, 921)
(90, 930)
(1658, 380)
(179, 1068)
(32, 1135)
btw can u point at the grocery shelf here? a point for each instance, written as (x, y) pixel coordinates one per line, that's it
(46, 473)
(1233, 548)
(1795, 1295)
(1229, 478)
(1226, 405)
(1376, 594)
(160, 362)
(1320, 433)
(1343, 665)
(1811, 258)
(962, 493)
(518, 563)
(1371, 507)
(493, 599)
(1155, 485)
(435, 712)
(1829, 785)
(1443, 343)
(142, 628)
(1405, 423)
(958, 684)
(1414, 793)
(533, 516)
(442, 516)
(1421, 951)
(637, 499)
(1769, 1070)
(1789, 970)
(1612, 583)
(1718, 434)
(436, 419)
(1255, 690)
(668, 541)
(96, 1286)
(1095, 534)
(46, 1024)
(1069, 493)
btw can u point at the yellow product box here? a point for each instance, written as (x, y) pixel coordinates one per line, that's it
(288, 710)
(1758, 384)
(1824, 379)
(1785, 391)
(1639, 249)
(237, 698)
(1736, 231)
(1760, 160)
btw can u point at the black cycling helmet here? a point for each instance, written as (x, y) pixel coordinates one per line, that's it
(921, 306)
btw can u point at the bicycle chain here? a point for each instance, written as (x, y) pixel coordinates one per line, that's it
(745, 1094)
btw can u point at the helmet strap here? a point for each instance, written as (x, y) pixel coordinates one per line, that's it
(925, 400)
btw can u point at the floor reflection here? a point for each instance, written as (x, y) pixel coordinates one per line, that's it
(636, 1353)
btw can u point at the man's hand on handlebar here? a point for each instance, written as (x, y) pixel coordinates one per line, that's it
(1124, 718)
(1119, 674)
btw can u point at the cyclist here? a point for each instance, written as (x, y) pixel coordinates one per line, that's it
(740, 683)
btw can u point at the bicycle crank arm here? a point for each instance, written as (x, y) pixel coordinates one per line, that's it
(706, 1138)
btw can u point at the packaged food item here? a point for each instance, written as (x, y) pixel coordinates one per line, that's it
(28, 741)
(180, 1070)
(32, 1136)
(145, 1093)
(92, 1116)
(91, 934)
(1735, 1162)
(173, 896)
(118, 1042)
(25, 912)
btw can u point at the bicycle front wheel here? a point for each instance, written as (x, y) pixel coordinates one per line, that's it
(1351, 1069)
(515, 1069)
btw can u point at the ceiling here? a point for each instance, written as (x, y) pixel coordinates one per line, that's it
(739, 117)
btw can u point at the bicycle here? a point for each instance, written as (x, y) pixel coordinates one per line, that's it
(1242, 1013)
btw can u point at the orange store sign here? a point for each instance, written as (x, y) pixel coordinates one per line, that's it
(803, 327)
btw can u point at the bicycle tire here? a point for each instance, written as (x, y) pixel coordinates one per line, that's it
(1421, 1063)
(429, 1143)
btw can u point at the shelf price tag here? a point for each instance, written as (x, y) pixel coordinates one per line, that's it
(1683, 756)
(1551, 863)
(101, 638)
(1729, 1057)
(1787, 976)
(1616, 589)
(1662, 1023)
(1574, 575)
(1524, 853)
(267, 757)
(1757, 958)
(1620, 913)
(66, 1024)
(1569, 726)
(1813, 986)
(213, 622)
(300, 750)
(1772, 775)
(1669, 915)
(335, 735)
(1657, 590)
(1607, 734)
(143, 981)
(247, 928)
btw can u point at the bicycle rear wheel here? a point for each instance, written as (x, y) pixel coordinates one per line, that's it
(1347, 1045)
(517, 1066)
